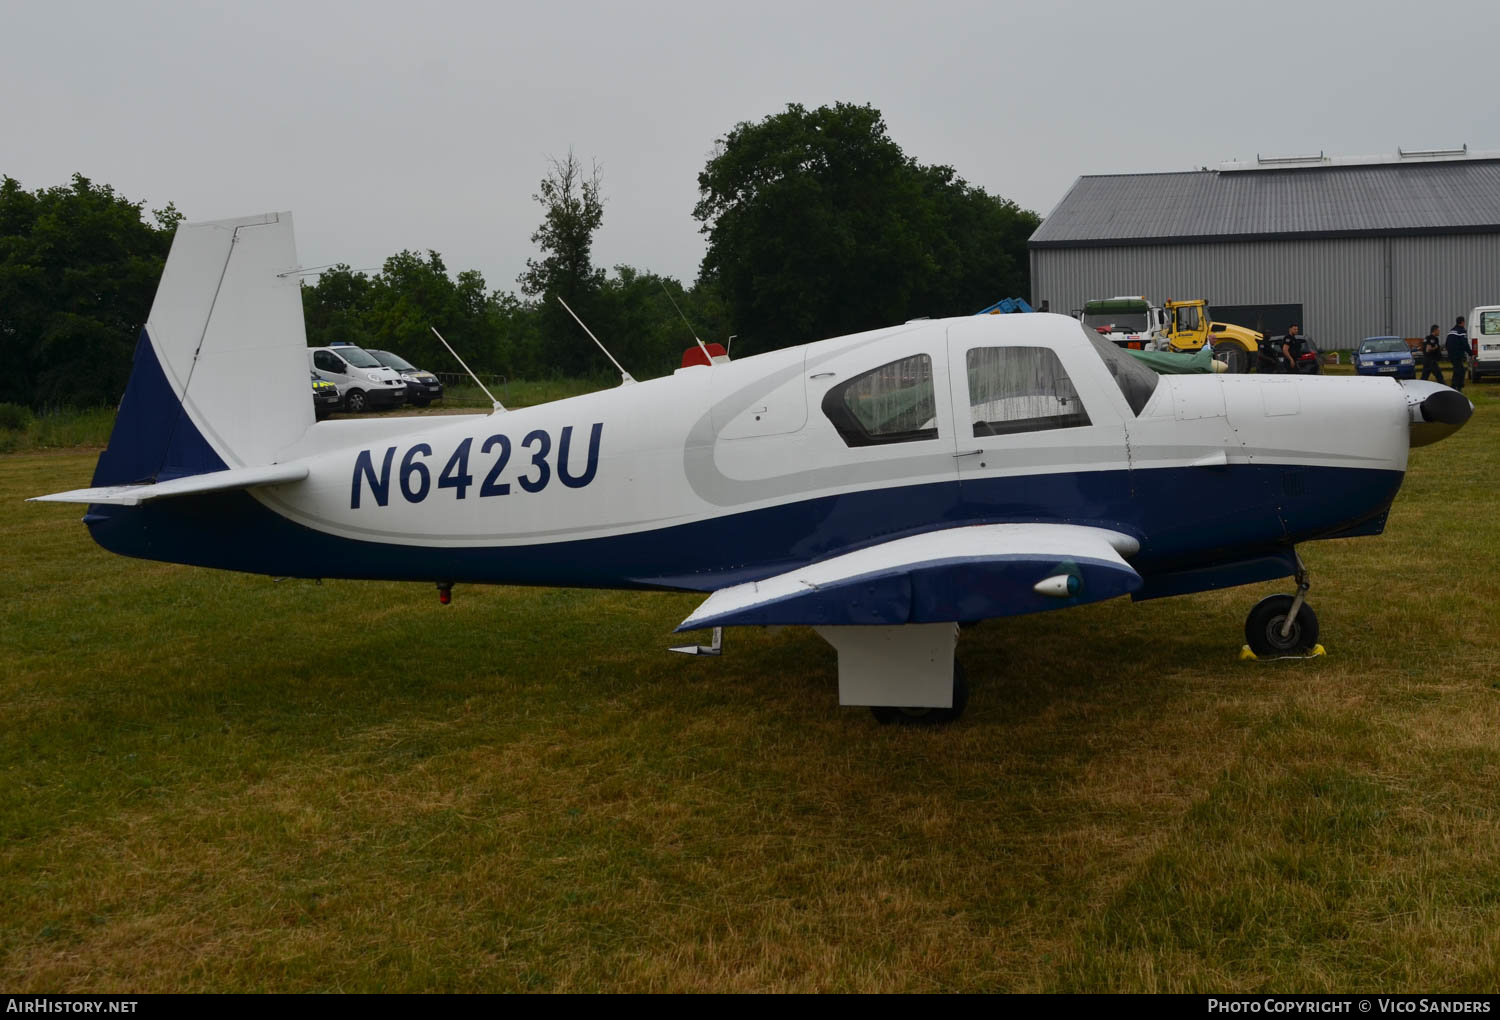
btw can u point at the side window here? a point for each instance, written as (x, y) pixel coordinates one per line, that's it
(325, 361)
(890, 404)
(1187, 319)
(1020, 389)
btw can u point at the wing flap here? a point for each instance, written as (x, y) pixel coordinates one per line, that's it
(968, 573)
(190, 485)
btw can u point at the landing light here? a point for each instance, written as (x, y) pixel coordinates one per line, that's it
(1060, 586)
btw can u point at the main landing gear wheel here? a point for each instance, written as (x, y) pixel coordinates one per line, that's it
(1264, 626)
(928, 716)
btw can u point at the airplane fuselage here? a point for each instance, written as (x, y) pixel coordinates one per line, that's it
(734, 472)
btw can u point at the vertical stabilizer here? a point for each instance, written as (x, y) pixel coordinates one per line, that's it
(220, 376)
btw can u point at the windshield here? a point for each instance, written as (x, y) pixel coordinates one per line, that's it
(358, 357)
(1116, 322)
(1383, 345)
(389, 360)
(1135, 380)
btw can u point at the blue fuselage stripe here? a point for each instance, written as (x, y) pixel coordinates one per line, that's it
(1183, 517)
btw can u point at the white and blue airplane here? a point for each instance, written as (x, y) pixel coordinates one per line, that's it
(883, 487)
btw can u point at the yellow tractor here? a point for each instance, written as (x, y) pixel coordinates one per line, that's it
(1188, 327)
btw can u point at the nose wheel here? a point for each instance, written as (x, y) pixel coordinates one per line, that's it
(1282, 625)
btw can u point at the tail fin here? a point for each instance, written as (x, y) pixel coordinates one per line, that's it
(220, 376)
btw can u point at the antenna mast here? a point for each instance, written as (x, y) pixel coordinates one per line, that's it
(625, 377)
(684, 319)
(497, 405)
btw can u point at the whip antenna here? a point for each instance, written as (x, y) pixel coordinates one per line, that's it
(684, 319)
(498, 406)
(625, 377)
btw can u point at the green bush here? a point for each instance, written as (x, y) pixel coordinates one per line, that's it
(14, 417)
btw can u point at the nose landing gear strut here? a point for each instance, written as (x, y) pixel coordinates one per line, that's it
(1284, 625)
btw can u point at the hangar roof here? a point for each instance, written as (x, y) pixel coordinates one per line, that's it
(1454, 197)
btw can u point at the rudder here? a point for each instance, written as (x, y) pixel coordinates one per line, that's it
(220, 374)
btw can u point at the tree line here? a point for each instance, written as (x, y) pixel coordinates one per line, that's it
(817, 224)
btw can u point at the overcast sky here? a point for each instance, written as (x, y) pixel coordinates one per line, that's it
(386, 125)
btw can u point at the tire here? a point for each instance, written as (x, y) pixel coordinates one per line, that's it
(887, 715)
(1263, 628)
(355, 402)
(1234, 359)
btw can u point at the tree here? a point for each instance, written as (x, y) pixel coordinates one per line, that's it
(818, 224)
(574, 210)
(78, 269)
(336, 306)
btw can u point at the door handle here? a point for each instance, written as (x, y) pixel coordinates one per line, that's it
(968, 453)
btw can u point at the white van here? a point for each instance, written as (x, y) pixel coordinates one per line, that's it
(363, 382)
(1484, 341)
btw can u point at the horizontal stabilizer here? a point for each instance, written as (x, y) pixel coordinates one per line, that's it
(192, 485)
(968, 573)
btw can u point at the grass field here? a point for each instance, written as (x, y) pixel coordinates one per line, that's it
(219, 782)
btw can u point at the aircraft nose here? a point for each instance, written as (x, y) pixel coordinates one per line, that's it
(1434, 411)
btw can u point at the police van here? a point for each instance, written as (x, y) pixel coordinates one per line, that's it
(363, 382)
(1484, 341)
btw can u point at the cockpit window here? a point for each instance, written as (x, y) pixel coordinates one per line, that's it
(1135, 380)
(890, 404)
(1020, 389)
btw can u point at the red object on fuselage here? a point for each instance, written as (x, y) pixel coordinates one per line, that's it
(694, 354)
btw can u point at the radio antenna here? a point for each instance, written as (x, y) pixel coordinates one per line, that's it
(684, 319)
(497, 405)
(625, 377)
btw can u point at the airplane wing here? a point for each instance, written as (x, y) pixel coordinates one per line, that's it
(190, 485)
(966, 573)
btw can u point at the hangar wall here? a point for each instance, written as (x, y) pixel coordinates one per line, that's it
(1349, 288)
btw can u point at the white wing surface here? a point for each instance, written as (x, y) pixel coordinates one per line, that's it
(965, 573)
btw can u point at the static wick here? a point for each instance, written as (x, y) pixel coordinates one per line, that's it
(495, 403)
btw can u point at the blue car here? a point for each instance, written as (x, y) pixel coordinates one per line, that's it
(1385, 355)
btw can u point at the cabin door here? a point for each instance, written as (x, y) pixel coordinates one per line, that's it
(1038, 438)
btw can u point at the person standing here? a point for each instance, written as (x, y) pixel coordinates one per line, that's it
(1268, 356)
(1291, 348)
(1432, 355)
(1458, 351)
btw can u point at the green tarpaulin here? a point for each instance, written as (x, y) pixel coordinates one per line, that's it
(1164, 363)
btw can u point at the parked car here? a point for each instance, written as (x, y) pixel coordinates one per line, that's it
(363, 382)
(325, 397)
(1385, 355)
(1484, 342)
(1269, 358)
(422, 388)
(1309, 361)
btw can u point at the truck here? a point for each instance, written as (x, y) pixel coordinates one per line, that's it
(1179, 327)
(1189, 327)
(1130, 322)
